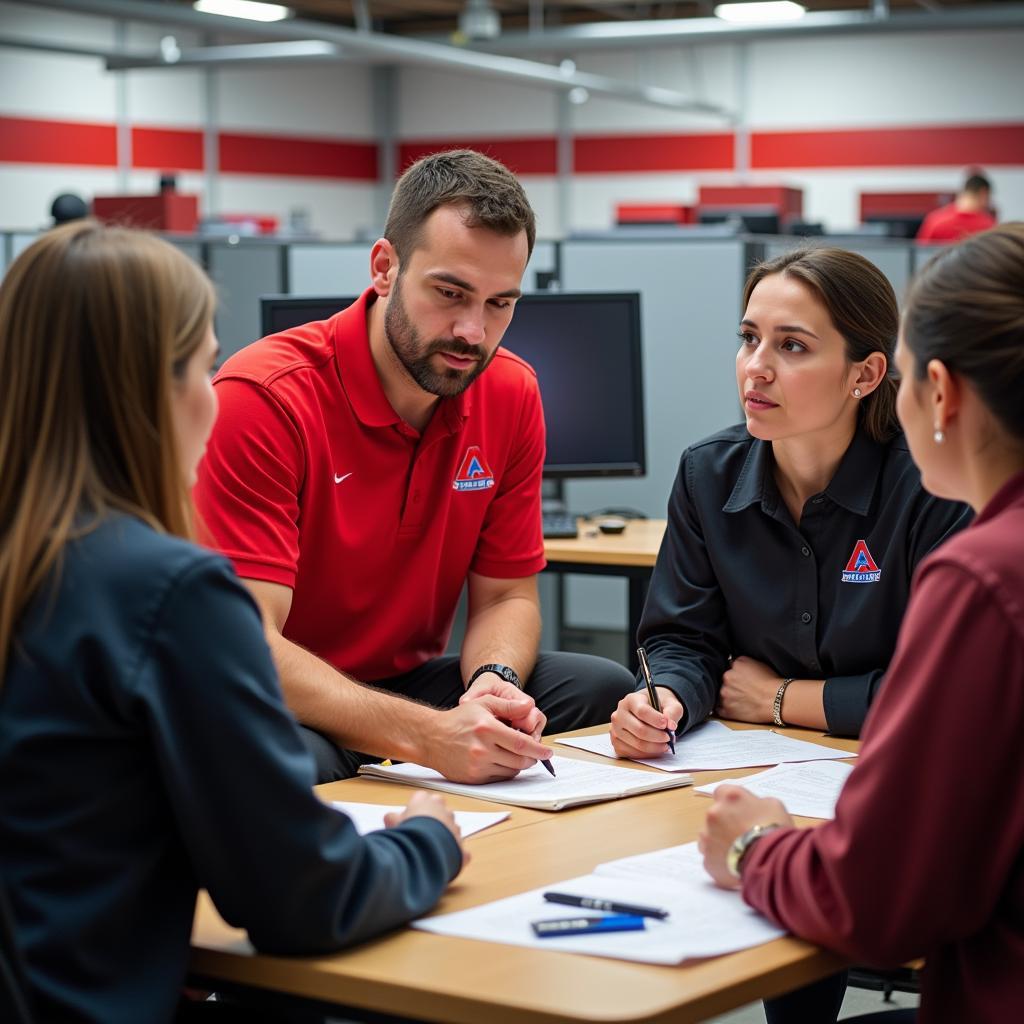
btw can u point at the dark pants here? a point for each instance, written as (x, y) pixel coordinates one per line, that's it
(817, 1003)
(573, 691)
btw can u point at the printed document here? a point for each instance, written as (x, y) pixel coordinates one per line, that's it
(703, 919)
(576, 782)
(713, 746)
(370, 817)
(810, 789)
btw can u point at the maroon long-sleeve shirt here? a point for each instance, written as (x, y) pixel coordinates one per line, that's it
(925, 856)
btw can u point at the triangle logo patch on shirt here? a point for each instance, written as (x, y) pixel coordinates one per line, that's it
(474, 474)
(861, 567)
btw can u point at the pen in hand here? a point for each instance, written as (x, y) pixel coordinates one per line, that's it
(652, 696)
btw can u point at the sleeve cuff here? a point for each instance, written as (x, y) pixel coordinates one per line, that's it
(440, 834)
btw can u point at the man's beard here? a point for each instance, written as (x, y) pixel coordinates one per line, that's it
(415, 354)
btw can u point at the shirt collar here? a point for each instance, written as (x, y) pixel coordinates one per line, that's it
(358, 374)
(852, 487)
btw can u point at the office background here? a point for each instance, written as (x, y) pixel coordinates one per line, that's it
(315, 143)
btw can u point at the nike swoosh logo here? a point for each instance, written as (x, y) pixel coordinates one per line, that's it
(338, 479)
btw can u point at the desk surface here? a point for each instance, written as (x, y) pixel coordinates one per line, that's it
(438, 978)
(637, 545)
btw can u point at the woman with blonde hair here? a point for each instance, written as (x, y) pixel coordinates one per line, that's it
(925, 856)
(145, 748)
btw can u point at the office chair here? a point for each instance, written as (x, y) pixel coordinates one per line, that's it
(14, 1001)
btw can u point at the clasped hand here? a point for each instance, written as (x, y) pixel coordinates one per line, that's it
(748, 691)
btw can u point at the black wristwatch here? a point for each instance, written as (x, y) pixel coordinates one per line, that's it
(508, 674)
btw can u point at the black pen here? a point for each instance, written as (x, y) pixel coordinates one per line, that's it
(645, 669)
(610, 906)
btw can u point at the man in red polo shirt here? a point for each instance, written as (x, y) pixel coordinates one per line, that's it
(968, 214)
(365, 468)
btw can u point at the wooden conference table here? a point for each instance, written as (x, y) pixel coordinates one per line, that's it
(429, 977)
(631, 554)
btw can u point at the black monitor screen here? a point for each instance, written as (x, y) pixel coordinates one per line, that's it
(585, 349)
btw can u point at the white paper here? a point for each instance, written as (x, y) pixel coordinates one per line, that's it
(370, 817)
(713, 746)
(576, 781)
(703, 919)
(810, 789)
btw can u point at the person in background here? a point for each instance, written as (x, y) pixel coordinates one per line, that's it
(367, 468)
(968, 214)
(145, 748)
(925, 856)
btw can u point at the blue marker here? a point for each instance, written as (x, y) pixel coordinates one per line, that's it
(554, 927)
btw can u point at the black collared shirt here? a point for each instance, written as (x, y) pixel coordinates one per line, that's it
(822, 600)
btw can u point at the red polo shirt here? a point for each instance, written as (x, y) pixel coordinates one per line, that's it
(312, 480)
(948, 224)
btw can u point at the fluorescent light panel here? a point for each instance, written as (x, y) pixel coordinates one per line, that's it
(251, 10)
(760, 12)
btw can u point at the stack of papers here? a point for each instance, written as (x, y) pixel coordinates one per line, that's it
(370, 817)
(703, 919)
(713, 746)
(810, 790)
(575, 782)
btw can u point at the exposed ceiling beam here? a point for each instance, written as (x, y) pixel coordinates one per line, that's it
(238, 53)
(676, 31)
(373, 47)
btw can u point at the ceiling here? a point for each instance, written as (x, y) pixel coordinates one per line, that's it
(440, 17)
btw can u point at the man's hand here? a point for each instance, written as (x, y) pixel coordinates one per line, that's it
(734, 810)
(472, 743)
(522, 714)
(638, 730)
(748, 691)
(429, 805)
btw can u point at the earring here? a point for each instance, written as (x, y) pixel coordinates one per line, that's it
(856, 392)
(938, 436)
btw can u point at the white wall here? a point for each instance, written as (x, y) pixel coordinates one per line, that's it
(906, 81)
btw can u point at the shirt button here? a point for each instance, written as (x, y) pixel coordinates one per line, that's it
(806, 617)
(805, 551)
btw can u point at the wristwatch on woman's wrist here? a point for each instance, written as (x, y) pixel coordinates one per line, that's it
(741, 847)
(508, 674)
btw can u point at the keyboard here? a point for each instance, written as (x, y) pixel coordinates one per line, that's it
(559, 524)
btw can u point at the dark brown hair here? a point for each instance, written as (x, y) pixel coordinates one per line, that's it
(459, 177)
(95, 324)
(862, 306)
(966, 309)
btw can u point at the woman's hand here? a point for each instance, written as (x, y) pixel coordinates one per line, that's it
(734, 810)
(748, 691)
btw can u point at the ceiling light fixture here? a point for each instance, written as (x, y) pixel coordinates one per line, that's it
(479, 20)
(251, 10)
(760, 12)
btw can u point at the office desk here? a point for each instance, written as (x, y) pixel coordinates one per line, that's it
(631, 554)
(438, 978)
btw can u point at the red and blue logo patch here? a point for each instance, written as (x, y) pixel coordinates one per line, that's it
(861, 568)
(474, 474)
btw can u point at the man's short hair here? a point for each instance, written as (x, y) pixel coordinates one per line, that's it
(977, 183)
(459, 177)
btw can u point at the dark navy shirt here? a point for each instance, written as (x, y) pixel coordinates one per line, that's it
(145, 751)
(822, 600)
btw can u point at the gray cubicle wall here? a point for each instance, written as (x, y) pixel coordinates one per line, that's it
(689, 295)
(893, 257)
(243, 271)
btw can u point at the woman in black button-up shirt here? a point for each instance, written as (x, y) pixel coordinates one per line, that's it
(786, 567)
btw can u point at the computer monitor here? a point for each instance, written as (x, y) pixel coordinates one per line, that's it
(585, 349)
(754, 221)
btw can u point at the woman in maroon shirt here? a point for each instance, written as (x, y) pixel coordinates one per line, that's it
(925, 856)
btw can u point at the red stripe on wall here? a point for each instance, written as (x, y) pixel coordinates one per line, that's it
(29, 141)
(287, 155)
(167, 149)
(523, 156)
(941, 145)
(633, 154)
